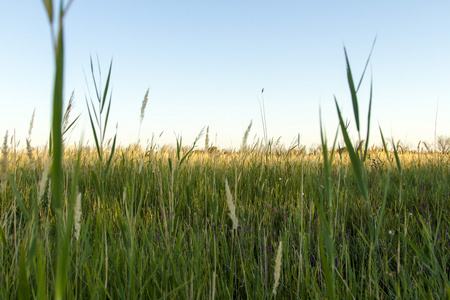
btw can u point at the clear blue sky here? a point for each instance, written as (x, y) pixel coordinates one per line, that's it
(206, 62)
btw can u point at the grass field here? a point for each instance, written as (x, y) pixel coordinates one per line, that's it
(263, 223)
(157, 227)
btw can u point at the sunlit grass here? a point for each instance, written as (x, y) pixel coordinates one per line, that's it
(131, 243)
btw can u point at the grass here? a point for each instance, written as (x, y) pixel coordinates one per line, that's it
(263, 222)
(131, 243)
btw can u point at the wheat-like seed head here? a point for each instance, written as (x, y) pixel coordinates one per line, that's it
(231, 206)
(31, 123)
(278, 268)
(207, 139)
(4, 162)
(68, 110)
(144, 105)
(30, 154)
(245, 137)
(43, 181)
(77, 217)
(49, 193)
(141, 164)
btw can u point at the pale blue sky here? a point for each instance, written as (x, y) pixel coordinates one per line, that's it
(206, 62)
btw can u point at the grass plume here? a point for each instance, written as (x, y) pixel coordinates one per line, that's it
(231, 206)
(277, 268)
(207, 139)
(28, 142)
(77, 217)
(141, 117)
(4, 163)
(244, 146)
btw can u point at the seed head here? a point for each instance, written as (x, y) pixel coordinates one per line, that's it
(231, 206)
(77, 217)
(4, 162)
(278, 268)
(144, 105)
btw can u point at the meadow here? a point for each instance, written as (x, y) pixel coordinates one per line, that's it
(185, 222)
(160, 227)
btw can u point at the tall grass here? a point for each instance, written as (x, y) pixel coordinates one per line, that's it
(134, 223)
(155, 232)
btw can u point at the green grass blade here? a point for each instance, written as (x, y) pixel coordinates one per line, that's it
(94, 132)
(49, 8)
(326, 164)
(23, 286)
(63, 257)
(381, 213)
(19, 201)
(368, 123)
(105, 92)
(397, 159)
(41, 288)
(71, 124)
(57, 173)
(95, 81)
(106, 120)
(108, 164)
(329, 279)
(97, 120)
(3, 237)
(96, 182)
(351, 85)
(384, 144)
(355, 160)
(367, 63)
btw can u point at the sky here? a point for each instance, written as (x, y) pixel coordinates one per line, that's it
(206, 62)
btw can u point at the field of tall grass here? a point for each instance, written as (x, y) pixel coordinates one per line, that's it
(262, 222)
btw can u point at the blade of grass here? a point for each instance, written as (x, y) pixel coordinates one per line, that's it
(367, 63)
(2, 237)
(368, 122)
(49, 8)
(327, 269)
(397, 159)
(106, 120)
(105, 92)
(352, 90)
(19, 201)
(108, 164)
(384, 144)
(383, 207)
(94, 132)
(71, 124)
(355, 160)
(23, 286)
(94, 80)
(57, 173)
